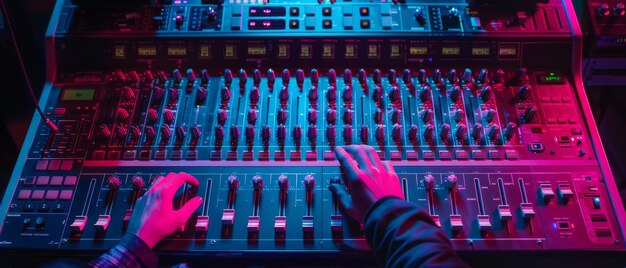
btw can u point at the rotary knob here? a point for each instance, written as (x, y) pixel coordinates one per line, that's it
(283, 182)
(603, 10)
(523, 93)
(219, 135)
(445, 133)
(255, 95)
(413, 134)
(483, 76)
(331, 95)
(421, 76)
(135, 132)
(493, 132)
(234, 136)
(427, 116)
(113, 182)
(137, 183)
(347, 94)
(204, 75)
(396, 117)
(619, 10)
(347, 134)
(378, 116)
(425, 94)
(120, 133)
(362, 76)
(271, 79)
(455, 93)
(225, 95)
(391, 76)
(452, 77)
(364, 134)
(283, 95)
(315, 77)
(486, 93)
(461, 132)
(166, 133)
(228, 77)
(309, 182)
(437, 76)
(128, 94)
(379, 133)
(222, 116)
(332, 77)
(347, 76)
(312, 134)
(180, 133)
(451, 181)
(520, 76)
(467, 76)
(233, 183)
(281, 134)
(490, 115)
(281, 116)
(377, 76)
(172, 94)
(509, 131)
(297, 135)
(530, 114)
(429, 182)
(459, 115)
(256, 77)
(191, 76)
(406, 77)
(498, 77)
(243, 79)
(122, 114)
(150, 133)
(266, 134)
(347, 116)
(377, 94)
(195, 132)
(429, 133)
(396, 134)
(477, 132)
(312, 116)
(331, 116)
(331, 133)
(394, 95)
(201, 95)
(177, 75)
(300, 78)
(168, 116)
(252, 116)
(313, 95)
(158, 94)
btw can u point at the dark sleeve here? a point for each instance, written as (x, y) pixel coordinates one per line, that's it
(130, 252)
(403, 235)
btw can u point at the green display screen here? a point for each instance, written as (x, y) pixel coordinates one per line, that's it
(78, 94)
(551, 78)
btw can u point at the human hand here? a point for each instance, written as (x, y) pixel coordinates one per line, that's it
(154, 217)
(368, 179)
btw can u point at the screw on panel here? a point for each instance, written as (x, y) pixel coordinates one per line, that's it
(321, 242)
(539, 242)
(212, 242)
(470, 243)
(616, 242)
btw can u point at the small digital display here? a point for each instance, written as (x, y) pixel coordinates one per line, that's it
(120, 52)
(450, 50)
(328, 51)
(205, 51)
(305, 51)
(146, 51)
(257, 50)
(507, 51)
(177, 51)
(480, 51)
(551, 78)
(78, 94)
(418, 50)
(230, 52)
(350, 51)
(266, 24)
(267, 11)
(372, 52)
(395, 51)
(283, 51)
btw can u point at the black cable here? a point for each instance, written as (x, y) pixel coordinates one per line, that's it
(49, 123)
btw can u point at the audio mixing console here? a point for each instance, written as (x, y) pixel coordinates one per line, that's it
(482, 113)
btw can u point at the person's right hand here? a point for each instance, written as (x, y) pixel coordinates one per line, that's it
(368, 179)
(154, 217)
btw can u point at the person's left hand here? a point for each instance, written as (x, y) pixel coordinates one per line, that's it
(154, 217)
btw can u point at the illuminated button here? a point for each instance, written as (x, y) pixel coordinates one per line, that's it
(327, 24)
(348, 24)
(327, 12)
(79, 224)
(103, 222)
(38, 194)
(294, 24)
(365, 11)
(596, 202)
(294, 11)
(54, 164)
(56, 181)
(66, 195)
(24, 194)
(309, 23)
(365, 24)
(70, 181)
(66, 165)
(202, 224)
(41, 165)
(52, 194)
(30, 180)
(483, 222)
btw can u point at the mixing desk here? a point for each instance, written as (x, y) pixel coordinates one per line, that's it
(482, 113)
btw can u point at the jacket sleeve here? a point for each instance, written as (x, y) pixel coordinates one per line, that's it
(403, 235)
(130, 252)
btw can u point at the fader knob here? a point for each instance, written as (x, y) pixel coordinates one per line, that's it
(362, 77)
(255, 95)
(467, 76)
(377, 94)
(406, 77)
(332, 77)
(177, 75)
(225, 95)
(523, 93)
(137, 182)
(396, 116)
(486, 93)
(427, 115)
(234, 135)
(312, 116)
(459, 115)
(309, 182)
(451, 181)
(477, 132)
(347, 76)
(520, 76)
(128, 94)
(452, 77)
(437, 76)
(283, 182)
(168, 116)
(313, 95)
(493, 132)
(297, 135)
(347, 94)
(391, 76)
(429, 134)
(509, 131)
(331, 95)
(201, 95)
(135, 132)
(228, 77)
(364, 134)
(377, 76)
(455, 93)
(300, 78)
(256, 77)
(233, 183)
(483, 76)
(149, 132)
(195, 132)
(271, 79)
(530, 114)
(166, 133)
(604, 10)
(429, 182)
(396, 133)
(490, 115)
(379, 133)
(347, 134)
(315, 77)
(461, 132)
(243, 79)
(113, 182)
(122, 114)
(266, 134)
(331, 116)
(445, 133)
(425, 94)
(378, 116)
(347, 116)
(191, 76)
(413, 134)
(281, 116)
(222, 116)
(120, 132)
(421, 76)
(394, 95)
(498, 77)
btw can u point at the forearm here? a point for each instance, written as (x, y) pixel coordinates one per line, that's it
(403, 235)
(130, 252)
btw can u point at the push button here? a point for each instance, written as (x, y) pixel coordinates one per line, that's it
(294, 12)
(327, 12)
(364, 11)
(327, 24)
(365, 24)
(294, 24)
